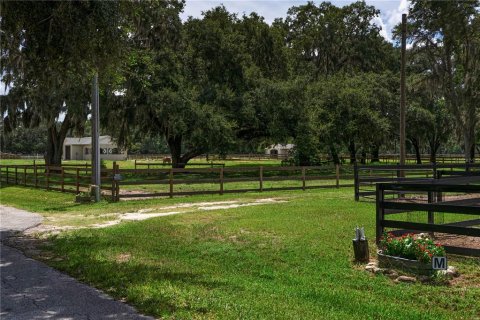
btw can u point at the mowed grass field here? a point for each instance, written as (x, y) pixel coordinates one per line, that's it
(289, 260)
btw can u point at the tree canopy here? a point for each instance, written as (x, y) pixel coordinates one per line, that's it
(322, 78)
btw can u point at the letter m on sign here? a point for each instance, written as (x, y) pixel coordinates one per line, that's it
(439, 263)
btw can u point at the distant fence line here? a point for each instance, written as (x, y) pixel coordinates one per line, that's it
(209, 157)
(164, 181)
(20, 156)
(148, 165)
(344, 158)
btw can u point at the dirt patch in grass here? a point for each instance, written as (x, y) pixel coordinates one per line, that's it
(148, 213)
(123, 257)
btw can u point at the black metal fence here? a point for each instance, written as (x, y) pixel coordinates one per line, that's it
(367, 176)
(459, 198)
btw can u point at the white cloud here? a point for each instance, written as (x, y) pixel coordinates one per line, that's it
(383, 31)
(394, 16)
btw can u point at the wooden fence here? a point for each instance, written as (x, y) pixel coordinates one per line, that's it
(436, 202)
(66, 178)
(151, 182)
(367, 176)
(218, 180)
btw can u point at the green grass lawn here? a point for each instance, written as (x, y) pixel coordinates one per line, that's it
(288, 260)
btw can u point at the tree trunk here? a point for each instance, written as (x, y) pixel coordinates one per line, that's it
(334, 154)
(433, 155)
(434, 146)
(469, 144)
(175, 146)
(375, 153)
(416, 147)
(363, 160)
(353, 152)
(55, 139)
(179, 160)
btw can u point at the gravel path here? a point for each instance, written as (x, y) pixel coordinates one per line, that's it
(32, 290)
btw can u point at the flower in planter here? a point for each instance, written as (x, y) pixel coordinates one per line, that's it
(411, 247)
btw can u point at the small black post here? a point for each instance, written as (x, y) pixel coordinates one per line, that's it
(431, 199)
(360, 246)
(360, 250)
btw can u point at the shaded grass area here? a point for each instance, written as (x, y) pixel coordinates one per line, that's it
(281, 261)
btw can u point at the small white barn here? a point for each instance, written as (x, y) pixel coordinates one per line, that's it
(279, 150)
(81, 149)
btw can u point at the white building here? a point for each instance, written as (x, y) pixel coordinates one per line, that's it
(81, 149)
(279, 150)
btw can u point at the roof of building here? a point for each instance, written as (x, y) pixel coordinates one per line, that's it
(87, 141)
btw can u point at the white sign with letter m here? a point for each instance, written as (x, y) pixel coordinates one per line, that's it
(439, 263)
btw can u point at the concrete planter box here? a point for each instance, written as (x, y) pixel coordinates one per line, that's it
(414, 266)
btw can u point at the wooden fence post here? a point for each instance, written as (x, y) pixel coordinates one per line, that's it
(135, 166)
(380, 195)
(47, 180)
(171, 182)
(35, 172)
(337, 175)
(6, 167)
(16, 178)
(439, 193)
(63, 179)
(77, 182)
(221, 180)
(431, 217)
(24, 176)
(117, 183)
(113, 189)
(303, 178)
(261, 178)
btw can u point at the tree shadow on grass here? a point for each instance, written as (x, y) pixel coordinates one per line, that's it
(141, 283)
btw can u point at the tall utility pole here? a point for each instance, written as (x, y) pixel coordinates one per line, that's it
(95, 139)
(402, 90)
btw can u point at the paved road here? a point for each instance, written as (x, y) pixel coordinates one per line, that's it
(12, 220)
(32, 290)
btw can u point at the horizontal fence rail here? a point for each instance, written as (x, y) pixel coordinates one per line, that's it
(434, 201)
(367, 176)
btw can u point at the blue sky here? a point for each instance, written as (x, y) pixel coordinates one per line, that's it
(390, 10)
